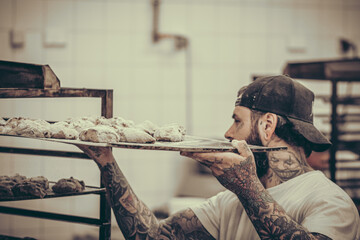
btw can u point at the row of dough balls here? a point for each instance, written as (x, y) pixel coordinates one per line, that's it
(94, 129)
(19, 185)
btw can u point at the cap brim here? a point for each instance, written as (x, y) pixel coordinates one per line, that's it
(319, 142)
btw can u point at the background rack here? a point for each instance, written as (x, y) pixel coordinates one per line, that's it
(336, 71)
(104, 220)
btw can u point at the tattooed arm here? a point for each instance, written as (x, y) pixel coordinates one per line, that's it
(237, 172)
(134, 218)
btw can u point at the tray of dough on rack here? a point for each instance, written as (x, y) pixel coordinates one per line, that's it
(189, 144)
(51, 194)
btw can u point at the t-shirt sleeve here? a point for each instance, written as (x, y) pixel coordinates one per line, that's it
(333, 217)
(208, 213)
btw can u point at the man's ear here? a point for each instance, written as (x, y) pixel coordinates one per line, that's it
(267, 125)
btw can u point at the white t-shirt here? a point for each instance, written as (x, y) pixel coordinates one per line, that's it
(311, 199)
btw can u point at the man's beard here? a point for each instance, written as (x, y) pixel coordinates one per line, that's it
(261, 160)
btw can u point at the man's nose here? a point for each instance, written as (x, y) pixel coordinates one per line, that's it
(229, 135)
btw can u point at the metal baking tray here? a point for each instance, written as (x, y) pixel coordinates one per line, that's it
(190, 144)
(193, 144)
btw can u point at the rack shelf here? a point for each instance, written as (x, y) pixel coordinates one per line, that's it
(51, 194)
(106, 96)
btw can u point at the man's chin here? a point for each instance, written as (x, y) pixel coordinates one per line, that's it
(262, 164)
(255, 142)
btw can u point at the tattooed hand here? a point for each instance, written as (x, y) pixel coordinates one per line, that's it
(101, 155)
(234, 171)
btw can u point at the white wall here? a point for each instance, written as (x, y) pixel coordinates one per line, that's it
(108, 45)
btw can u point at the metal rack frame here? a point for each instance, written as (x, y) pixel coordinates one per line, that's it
(335, 71)
(106, 95)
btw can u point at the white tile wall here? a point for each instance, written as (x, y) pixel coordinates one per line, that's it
(6, 11)
(202, 18)
(174, 15)
(253, 19)
(119, 16)
(352, 18)
(89, 48)
(304, 19)
(143, 18)
(108, 44)
(253, 50)
(280, 19)
(59, 14)
(203, 49)
(121, 51)
(89, 15)
(29, 15)
(6, 52)
(32, 50)
(332, 22)
(90, 75)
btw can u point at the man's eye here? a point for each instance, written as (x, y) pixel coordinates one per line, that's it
(237, 121)
(289, 162)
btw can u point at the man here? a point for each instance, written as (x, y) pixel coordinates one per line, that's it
(272, 196)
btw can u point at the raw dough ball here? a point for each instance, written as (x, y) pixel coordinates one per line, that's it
(135, 135)
(63, 130)
(80, 125)
(2, 122)
(104, 121)
(5, 130)
(13, 122)
(5, 190)
(148, 127)
(115, 121)
(28, 127)
(7, 181)
(41, 181)
(6, 185)
(103, 134)
(4, 178)
(119, 121)
(18, 178)
(21, 186)
(171, 133)
(28, 188)
(67, 185)
(89, 118)
(42, 122)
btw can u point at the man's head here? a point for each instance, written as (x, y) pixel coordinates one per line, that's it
(280, 106)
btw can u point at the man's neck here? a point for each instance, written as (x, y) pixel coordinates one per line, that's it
(284, 165)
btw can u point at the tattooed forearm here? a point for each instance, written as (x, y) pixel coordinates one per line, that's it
(135, 219)
(268, 218)
(132, 215)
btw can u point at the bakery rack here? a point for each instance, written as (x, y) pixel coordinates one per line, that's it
(42, 83)
(336, 71)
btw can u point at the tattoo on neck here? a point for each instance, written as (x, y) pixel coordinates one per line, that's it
(288, 164)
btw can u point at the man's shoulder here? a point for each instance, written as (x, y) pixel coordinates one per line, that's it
(316, 179)
(320, 189)
(309, 186)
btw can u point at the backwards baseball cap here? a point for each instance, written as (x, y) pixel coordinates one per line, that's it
(286, 97)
